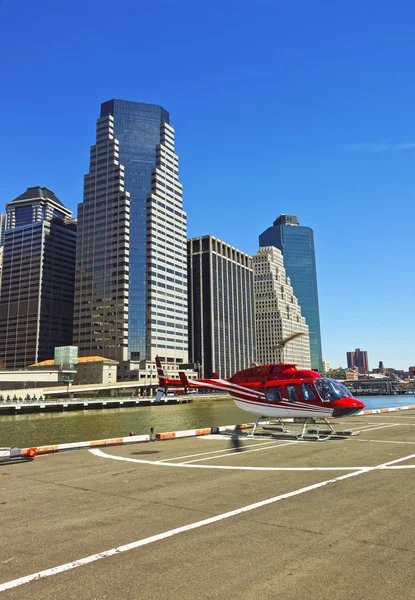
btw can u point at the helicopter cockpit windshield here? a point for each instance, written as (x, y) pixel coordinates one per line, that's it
(330, 389)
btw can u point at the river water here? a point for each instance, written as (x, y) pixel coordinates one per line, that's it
(40, 429)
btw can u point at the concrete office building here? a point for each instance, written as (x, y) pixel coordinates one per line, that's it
(358, 359)
(297, 246)
(131, 278)
(36, 299)
(2, 229)
(221, 307)
(278, 314)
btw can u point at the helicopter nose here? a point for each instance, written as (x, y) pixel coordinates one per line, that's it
(347, 406)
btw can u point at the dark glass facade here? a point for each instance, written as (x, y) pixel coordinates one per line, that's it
(221, 307)
(297, 246)
(137, 129)
(37, 291)
(102, 263)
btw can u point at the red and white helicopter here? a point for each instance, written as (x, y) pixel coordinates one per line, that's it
(279, 391)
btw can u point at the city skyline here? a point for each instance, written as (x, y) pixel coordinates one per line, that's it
(293, 122)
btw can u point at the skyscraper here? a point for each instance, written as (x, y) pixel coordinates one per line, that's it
(297, 246)
(358, 359)
(221, 307)
(36, 300)
(278, 314)
(131, 281)
(2, 229)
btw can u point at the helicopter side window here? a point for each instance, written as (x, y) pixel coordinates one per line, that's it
(292, 392)
(308, 392)
(273, 394)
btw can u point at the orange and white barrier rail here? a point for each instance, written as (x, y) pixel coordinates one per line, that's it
(133, 439)
(16, 453)
(169, 435)
(378, 411)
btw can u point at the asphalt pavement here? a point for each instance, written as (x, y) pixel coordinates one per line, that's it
(201, 518)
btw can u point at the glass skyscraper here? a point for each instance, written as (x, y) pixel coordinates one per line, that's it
(37, 291)
(130, 299)
(296, 243)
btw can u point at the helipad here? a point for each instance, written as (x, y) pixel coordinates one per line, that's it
(193, 518)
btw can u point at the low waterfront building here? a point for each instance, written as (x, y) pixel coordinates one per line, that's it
(147, 371)
(343, 374)
(33, 378)
(88, 369)
(278, 314)
(375, 387)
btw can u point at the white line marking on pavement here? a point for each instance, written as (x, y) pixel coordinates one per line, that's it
(233, 453)
(385, 442)
(377, 427)
(166, 534)
(191, 465)
(214, 451)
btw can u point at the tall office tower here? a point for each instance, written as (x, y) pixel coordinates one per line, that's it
(297, 246)
(131, 281)
(36, 300)
(358, 359)
(278, 314)
(2, 228)
(221, 307)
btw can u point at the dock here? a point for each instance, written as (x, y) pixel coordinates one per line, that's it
(59, 405)
(195, 517)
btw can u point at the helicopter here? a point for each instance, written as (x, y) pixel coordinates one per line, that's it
(278, 392)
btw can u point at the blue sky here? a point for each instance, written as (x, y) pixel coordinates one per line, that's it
(297, 107)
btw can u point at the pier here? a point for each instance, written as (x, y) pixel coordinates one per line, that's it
(59, 405)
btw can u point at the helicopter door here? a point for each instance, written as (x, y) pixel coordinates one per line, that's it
(273, 393)
(308, 392)
(292, 392)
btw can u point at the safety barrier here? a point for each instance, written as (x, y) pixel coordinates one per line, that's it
(133, 439)
(170, 435)
(378, 411)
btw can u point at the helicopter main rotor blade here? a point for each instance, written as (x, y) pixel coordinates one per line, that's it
(288, 339)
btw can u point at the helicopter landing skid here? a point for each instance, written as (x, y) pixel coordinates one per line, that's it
(279, 430)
